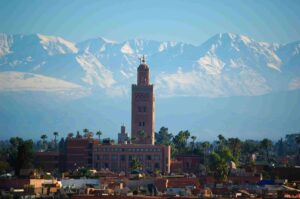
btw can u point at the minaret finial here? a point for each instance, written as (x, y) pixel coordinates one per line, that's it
(143, 59)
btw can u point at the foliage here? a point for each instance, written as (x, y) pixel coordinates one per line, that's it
(99, 133)
(266, 145)
(163, 136)
(135, 164)
(218, 166)
(21, 154)
(180, 141)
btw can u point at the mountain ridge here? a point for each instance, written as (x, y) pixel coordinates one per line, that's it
(227, 64)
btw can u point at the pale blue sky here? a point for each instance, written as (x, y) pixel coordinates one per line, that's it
(191, 21)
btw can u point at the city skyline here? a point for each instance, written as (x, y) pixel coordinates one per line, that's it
(61, 71)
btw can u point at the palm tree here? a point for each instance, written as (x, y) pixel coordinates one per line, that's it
(99, 133)
(266, 144)
(86, 131)
(205, 146)
(88, 134)
(133, 139)
(135, 164)
(70, 135)
(55, 140)
(193, 141)
(44, 137)
(235, 146)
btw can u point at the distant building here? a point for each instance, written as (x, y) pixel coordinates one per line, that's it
(142, 107)
(48, 161)
(119, 157)
(123, 136)
(87, 152)
(189, 163)
(152, 157)
(79, 152)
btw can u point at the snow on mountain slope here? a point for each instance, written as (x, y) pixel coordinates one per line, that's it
(126, 49)
(96, 73)
(18, 81)
(5, 42)
(225, 65)
(57, 45)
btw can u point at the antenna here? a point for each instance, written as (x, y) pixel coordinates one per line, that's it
(143, 59)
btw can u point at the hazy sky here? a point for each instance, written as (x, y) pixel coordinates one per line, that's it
(191, 21)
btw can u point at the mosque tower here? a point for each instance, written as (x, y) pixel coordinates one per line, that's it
(142, 107)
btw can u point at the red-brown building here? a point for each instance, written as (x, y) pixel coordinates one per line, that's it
(190, 163)
(142, 107)
(119, 157)
(79, 152)
(90, 153)
(48, 161)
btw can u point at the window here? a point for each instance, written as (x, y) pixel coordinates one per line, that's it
(114, 157)
(156, 165)
(142, 123)
(142, 109)
(156, 157)
(106, 165)
(123, 158)
(148, 157)
(105, 157)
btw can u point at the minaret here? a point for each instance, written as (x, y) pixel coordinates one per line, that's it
(142, 107)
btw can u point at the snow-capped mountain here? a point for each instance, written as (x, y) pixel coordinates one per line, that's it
(225, 65)
(50, 84)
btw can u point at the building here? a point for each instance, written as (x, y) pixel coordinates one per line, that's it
(79, 152)
(86, 152)
(190, 163)
(142, 107)
(119, 157)
(48, 161)
(152, 157)
(123, 136)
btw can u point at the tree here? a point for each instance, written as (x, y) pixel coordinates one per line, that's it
(180, 141)
(70, 135)
(193, 141)
(133, 139)
(99, 133)
(205, 146)
(218, 166)
(135, 164)
(87, 133)
(266, 145)
(248, 148)
(297, 139)
(61, 145)
(163, 136)
(20, 154)
(55, 139)
(222, 142)
(44, 138)
(234, 145)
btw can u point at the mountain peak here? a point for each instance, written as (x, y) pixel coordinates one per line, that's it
(107, 40)
(57, 45)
